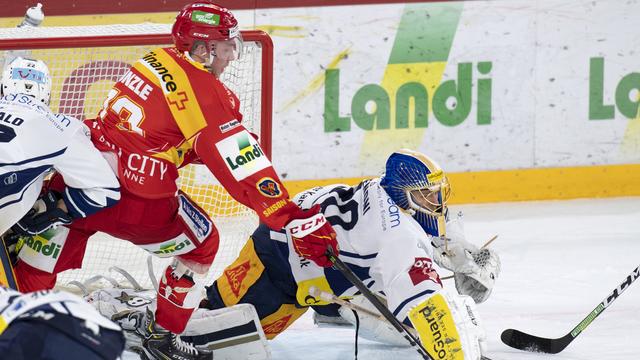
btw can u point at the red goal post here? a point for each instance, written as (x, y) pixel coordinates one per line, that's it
(85, 61)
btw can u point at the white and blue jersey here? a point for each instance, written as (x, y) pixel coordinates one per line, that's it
(34, 141)
(383, 245)
(72, 329)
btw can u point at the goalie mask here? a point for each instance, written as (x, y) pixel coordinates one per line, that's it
(27, 76)
(418, 185)
(209, 24)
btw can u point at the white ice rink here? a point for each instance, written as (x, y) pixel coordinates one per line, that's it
(559, 260)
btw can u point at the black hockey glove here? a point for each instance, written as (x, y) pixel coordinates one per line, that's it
(44, 215)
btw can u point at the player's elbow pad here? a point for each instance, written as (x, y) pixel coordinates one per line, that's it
(84, 202)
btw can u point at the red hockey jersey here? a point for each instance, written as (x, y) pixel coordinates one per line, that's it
(168, 111)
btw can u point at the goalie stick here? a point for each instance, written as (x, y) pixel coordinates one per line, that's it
(351, 276)
(523, 341)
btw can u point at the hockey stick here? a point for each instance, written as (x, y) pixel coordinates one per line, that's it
(347, 273)
(523, 341)
(317, 293)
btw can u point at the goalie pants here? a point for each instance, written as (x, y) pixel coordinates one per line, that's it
(261, 276)
(149, 223)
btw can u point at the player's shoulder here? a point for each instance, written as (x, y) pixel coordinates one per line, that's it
(172, 64)
(36, 114)
(308, 198)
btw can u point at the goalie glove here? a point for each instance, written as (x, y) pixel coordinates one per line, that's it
(479, 283)
(475, 270)
(44, 215)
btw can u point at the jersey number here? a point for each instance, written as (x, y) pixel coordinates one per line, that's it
(6, 133)
(131, 114)
(342, 198)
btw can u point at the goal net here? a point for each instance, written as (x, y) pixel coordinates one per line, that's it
(84, 62)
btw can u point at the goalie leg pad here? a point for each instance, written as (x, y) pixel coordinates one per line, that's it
(232, 333)
(448, 327)
(244, 281)
(372, 328)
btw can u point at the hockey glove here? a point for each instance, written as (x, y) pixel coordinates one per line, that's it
(479, 283)
(312, 235)
(44, 215)
(475, 270)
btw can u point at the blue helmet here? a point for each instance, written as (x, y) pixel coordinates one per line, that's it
(418, 185)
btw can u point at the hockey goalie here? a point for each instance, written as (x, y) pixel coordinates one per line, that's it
(395, 233)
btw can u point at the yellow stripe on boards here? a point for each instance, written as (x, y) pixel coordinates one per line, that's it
(524, 184)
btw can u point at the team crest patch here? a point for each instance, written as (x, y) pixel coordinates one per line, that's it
(268, 187)
(422, 270)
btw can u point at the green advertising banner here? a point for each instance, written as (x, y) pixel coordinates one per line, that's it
(480, 85)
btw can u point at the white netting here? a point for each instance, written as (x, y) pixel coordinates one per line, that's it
(82, 77)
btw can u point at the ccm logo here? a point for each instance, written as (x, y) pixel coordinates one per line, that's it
(304, 227)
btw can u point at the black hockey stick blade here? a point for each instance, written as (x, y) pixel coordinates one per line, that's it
(523, 341)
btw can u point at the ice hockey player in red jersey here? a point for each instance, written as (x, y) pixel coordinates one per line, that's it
(170, 110)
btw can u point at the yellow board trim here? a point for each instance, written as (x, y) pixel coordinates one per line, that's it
(524, 184)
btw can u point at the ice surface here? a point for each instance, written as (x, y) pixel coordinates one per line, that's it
(559, 260)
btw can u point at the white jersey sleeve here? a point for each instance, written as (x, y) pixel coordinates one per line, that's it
(33, 141)
(384, 246)
(90, 182)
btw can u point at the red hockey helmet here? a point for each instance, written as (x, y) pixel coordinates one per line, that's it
(205, 21)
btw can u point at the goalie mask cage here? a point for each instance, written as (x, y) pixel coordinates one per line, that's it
(84, 62)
